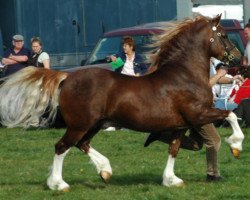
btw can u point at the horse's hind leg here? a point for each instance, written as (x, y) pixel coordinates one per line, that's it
(55, 180)
(237, 137)
(169, 177)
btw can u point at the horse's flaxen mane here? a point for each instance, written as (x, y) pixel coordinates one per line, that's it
(170, 36)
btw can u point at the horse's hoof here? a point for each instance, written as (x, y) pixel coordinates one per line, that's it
(180, 185)
(105, 176)
(235, 145)
(65, 189)
(173, 181)
(235, 152)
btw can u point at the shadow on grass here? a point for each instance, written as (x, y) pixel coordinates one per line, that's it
(133, 179)
(122, 180)
(137, 179)
(125, 179)
(118, 180)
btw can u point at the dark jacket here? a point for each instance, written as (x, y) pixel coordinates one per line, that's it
(33, 60)
(10, 69)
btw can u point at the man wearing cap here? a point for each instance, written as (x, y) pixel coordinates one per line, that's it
(15, 58)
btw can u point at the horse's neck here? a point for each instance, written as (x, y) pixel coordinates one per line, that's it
(186, 52)
(188, 61)
(187, 65)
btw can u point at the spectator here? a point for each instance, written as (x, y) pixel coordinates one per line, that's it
(242, 98)
(242, 93)
(131, 63)
(235, 97)
(243, 112)
(39, 58)
(223, 90)
(15, 58)
(246, 57)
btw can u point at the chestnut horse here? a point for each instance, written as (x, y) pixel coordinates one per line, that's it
(170, 100)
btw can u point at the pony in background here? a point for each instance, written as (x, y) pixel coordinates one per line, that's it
(173, 98)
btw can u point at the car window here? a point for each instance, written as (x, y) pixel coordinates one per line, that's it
(113, 45)
(105, 47)
(142, 44)
(237, 41)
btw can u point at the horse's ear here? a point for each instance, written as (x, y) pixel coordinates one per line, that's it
(216, 20)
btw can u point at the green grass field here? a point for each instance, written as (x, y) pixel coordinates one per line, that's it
(25, 157)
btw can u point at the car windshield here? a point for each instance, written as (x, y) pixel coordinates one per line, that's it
(113, 45)
(236, 39)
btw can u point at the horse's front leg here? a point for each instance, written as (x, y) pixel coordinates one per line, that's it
(169, 177)
(237, 137)
(101, 163)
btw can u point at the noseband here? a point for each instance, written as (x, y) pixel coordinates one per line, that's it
(228, 57)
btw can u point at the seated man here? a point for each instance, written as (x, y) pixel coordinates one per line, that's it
(15, 58)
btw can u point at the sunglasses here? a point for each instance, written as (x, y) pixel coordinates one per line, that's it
(18, 40)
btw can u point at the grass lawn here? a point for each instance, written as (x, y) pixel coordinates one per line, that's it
(25, 157)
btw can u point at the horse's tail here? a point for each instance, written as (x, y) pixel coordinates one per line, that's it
(29, 94)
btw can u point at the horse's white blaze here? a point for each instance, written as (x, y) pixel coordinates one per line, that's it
(169, 178)
(237, 137)
(55, 180)
(100, 161)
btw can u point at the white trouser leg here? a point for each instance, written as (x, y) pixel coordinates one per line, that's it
(55, 180)
(169, 178)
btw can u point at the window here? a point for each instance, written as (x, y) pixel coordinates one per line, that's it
(113, 45)
(237, 41)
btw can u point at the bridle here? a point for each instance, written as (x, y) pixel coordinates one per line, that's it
(228, 56)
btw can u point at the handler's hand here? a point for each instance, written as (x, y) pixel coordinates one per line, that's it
(221, 72)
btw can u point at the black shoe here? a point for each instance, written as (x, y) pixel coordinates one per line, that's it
(211, 178)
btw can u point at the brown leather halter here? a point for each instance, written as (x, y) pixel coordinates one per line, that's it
(229, 57)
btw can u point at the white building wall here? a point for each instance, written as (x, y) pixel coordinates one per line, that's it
(184, 9)
(246, 9)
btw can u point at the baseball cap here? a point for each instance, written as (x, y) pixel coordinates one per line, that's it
(18, 37)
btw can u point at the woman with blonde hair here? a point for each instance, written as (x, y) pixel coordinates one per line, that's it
(39, 58)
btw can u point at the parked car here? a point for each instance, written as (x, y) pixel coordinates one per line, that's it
(110, 43)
